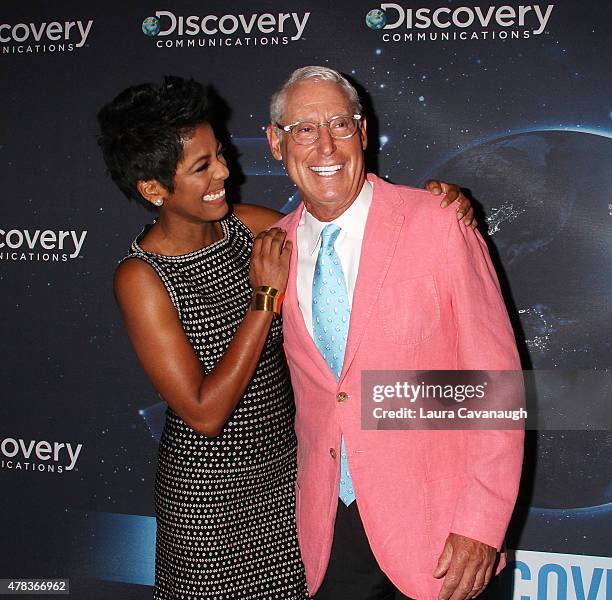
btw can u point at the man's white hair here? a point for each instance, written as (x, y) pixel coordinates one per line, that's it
(277, 102)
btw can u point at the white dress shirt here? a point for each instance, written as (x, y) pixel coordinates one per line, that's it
(352, 223)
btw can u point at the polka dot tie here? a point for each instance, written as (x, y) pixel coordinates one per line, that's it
(330, 324)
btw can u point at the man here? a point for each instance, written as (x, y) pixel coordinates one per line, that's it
(384, 514)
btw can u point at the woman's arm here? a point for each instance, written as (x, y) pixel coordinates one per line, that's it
(204, 402)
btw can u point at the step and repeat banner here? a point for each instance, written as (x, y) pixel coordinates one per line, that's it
(511, 101)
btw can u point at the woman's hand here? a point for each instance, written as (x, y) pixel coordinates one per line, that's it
(270, 260)
(453, 193)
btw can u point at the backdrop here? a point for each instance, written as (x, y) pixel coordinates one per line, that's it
(511, 101)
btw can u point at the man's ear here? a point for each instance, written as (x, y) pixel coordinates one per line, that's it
(363, 125)
(274, 141)
(152, 191)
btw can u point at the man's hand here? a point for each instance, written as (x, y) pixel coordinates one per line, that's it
(466, 565)
(453, 193)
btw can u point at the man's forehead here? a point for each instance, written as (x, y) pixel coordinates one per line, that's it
(312, 96)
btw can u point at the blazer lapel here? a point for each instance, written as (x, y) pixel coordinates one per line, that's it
(382, 231)
(291, 308)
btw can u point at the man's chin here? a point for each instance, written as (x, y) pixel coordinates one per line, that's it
(326, 206)
(329, 189)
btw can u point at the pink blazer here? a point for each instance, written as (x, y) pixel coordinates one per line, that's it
(426, 297)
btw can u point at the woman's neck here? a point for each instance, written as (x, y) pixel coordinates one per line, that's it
(173, 238)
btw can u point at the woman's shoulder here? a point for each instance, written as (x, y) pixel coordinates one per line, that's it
(256, 218)
(135, 272)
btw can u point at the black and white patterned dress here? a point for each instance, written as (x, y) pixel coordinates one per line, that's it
(225, 505)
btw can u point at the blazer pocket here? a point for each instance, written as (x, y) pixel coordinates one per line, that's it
(410, 310)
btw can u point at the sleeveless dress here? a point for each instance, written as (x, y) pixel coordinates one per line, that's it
(225, 506)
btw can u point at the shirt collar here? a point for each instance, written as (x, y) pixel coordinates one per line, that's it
(351, 221)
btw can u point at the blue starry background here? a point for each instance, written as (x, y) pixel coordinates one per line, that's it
(525, 125)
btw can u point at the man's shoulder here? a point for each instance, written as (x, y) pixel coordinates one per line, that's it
(287, 219)
(415, 202)
(408, 193)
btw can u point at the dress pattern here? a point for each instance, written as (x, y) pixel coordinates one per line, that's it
(225, 505)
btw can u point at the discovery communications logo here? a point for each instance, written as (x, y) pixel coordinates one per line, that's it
(20, 454)
(458, 23)
(49, 36)
(547, 575)
(40, 245)
(255, 29)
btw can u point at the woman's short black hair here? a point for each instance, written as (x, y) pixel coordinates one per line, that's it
(142, 131)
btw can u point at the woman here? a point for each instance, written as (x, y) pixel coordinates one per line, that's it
(225, 478)
(199, 292)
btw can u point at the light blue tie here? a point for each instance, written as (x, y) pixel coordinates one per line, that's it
(330, 324)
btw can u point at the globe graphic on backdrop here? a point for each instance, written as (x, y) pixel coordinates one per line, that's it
(150, 26)
(376, 19)
(546, 195)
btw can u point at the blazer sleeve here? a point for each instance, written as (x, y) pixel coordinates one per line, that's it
(485, 340)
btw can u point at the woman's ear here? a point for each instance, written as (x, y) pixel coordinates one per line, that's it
(152, 191)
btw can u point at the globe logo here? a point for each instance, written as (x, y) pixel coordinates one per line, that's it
(376, 19)
(150, 26)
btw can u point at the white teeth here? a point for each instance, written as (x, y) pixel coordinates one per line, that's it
(213, 197)
(326, 171)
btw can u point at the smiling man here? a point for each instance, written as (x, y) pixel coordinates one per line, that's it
(384, 279)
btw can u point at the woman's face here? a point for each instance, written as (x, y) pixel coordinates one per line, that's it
(199, 192)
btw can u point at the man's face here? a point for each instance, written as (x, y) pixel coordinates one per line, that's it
(330, 172)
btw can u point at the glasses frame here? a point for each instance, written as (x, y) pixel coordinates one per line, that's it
(289, 128)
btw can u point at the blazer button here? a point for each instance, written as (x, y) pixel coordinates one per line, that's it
(342, 396)
(332, 453)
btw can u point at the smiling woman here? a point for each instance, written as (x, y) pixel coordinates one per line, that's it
(198, 293)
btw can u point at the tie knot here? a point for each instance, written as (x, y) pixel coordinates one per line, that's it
(329, 234)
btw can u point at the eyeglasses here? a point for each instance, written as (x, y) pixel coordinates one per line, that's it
(341, 127)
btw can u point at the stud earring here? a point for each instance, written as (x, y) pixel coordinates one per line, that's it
(159, 202)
